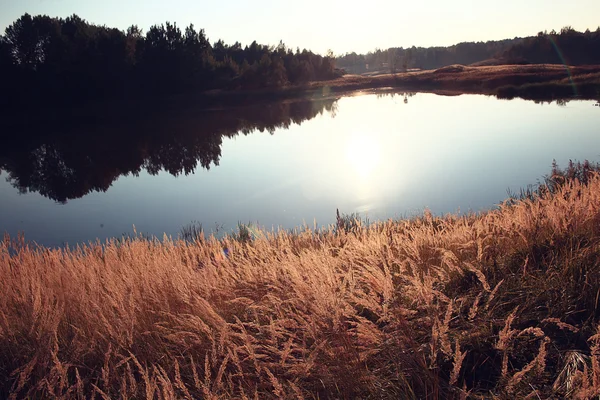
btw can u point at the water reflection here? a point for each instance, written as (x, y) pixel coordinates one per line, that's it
(378, 156)
(66, 162)
(405, 95)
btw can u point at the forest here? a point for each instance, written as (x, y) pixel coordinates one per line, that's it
(59, 61)
(49, 63)
(565, 47)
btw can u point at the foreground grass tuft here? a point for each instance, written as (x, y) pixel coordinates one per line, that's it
(503, 304)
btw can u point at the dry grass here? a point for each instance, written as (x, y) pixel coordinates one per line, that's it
(498, 305)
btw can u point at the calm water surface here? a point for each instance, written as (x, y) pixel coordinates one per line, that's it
(382, 156)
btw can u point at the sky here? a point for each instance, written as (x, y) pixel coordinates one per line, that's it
(320, 25)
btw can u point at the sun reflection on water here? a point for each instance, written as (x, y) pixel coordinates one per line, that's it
(363, 153)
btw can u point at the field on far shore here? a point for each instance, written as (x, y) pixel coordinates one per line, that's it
(534, 81)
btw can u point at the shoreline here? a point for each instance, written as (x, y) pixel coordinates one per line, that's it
(530, 82)
(542, 82)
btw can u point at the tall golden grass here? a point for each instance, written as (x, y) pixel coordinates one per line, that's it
(499, 305)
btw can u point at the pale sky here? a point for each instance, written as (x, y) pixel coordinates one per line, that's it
(319, 25)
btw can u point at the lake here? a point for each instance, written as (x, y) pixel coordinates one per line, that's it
(283, 164)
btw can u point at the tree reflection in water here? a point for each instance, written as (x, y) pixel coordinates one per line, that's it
(69, 160)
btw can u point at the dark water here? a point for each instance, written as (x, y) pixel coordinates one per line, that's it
(283, 164)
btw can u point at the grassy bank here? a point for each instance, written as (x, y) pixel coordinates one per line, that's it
(503, 304)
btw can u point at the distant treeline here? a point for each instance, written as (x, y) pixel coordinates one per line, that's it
(46, 60)
(399, 59)
(567, 46)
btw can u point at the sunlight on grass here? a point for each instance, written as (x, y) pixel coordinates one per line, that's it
(505, 302)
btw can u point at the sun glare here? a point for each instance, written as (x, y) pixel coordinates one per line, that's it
(363, 153)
